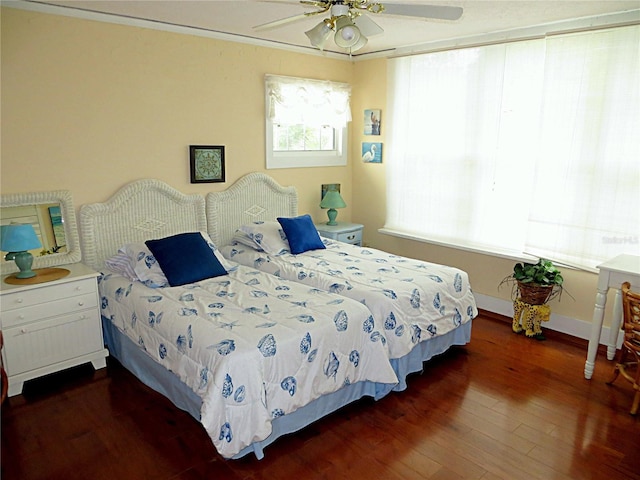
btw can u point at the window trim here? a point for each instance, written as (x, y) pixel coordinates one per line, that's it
(493, 252)
(298, 159)
(337, 157)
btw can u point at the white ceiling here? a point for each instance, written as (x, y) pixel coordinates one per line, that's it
(238, 19)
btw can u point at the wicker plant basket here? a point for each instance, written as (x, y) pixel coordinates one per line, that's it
(534, 294)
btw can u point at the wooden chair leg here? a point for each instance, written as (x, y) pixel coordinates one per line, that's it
(636, 403)
(636, 387)
(616, 372)
(619, 364)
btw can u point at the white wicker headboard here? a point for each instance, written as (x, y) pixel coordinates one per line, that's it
(254, 197)
(142, 210)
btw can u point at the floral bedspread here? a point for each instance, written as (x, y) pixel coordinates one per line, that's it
(253, 346)
(410, 300)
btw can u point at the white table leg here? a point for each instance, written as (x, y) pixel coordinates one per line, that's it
(596, 328)
(616, 321)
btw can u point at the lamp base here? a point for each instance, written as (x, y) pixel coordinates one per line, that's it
(332, 213)
(24, 260)
(26, 274)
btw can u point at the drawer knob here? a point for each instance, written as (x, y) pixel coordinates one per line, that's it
(81, 303)
(19, 300)
(23, 330)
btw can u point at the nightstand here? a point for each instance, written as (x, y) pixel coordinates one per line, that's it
(342, 232)
(51, 326)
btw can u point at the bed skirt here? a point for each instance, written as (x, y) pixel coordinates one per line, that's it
(425, 350)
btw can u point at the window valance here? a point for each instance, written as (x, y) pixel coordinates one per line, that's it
(305, 101)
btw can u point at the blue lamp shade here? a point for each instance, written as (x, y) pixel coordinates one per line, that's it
(332, 200)
(17, 239)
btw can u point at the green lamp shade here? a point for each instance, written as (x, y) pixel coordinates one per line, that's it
(17, 239)
(332, 200)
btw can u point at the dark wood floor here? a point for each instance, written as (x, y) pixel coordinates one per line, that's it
(503, 407)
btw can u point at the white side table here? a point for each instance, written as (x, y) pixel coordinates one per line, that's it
(51, 326)
(613, 273)
(342, 232)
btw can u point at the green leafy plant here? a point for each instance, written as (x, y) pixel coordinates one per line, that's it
(543, 273)
(535, 283)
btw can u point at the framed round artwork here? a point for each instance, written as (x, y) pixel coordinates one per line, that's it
(207, 163)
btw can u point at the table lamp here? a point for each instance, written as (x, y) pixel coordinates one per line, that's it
(17, 239)
(332, 200)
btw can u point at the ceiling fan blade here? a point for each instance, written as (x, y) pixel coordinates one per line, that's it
(368, 27)
(440, 12)
(279, 23)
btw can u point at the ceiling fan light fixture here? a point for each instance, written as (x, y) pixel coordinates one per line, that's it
(347, 34)
(350, 20)
(361, 43)
(319, 34)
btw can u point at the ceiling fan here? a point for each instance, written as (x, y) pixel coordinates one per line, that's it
(349, 24)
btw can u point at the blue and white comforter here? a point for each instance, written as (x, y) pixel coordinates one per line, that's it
(251, 345)
(411, 300)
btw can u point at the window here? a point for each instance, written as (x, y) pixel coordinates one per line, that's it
(303, 138)
(306, 122)
(520, 148)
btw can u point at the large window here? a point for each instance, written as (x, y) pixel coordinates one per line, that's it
(529, 147)
(306, 122)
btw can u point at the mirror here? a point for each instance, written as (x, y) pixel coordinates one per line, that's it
(54, 220)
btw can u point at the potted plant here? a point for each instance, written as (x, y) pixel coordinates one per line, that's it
(535, 283)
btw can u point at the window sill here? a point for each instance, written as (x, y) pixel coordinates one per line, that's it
(507, 255)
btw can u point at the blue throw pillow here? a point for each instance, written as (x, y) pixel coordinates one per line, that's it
(301, 234)
(185, 258)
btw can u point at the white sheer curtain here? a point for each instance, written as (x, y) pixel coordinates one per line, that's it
(586, 206)
(306, 101)
(468, 131)
(460, 132)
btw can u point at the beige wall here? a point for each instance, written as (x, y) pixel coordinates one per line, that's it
(90, 106)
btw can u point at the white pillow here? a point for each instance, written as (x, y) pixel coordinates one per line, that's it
(267, 235)
(239, 237)
(120, 263)
(223, 261)
(144, 265)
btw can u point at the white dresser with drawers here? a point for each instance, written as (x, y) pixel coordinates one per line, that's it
(51, 326)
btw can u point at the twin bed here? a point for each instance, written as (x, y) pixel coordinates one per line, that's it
(252, 340)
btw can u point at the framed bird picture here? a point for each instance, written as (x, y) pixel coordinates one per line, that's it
(372, 152)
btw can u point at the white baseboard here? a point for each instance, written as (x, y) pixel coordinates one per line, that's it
(558, 323)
